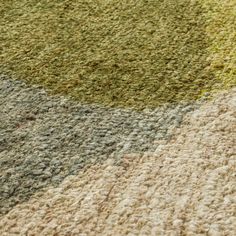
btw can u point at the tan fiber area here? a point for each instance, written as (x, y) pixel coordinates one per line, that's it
(186, 187)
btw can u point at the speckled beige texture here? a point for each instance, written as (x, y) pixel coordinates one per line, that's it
(186, 187)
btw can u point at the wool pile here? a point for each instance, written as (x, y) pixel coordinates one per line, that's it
(186, 186)
(118, 117)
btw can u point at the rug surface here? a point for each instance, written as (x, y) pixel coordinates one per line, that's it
(118, 117)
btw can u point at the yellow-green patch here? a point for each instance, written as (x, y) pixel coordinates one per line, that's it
(221, 32)
(121, 53)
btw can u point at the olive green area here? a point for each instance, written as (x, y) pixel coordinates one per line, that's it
(221, 30)
(117, 53)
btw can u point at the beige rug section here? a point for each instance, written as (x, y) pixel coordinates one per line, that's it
(187, 187)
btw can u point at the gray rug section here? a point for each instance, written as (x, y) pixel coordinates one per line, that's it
(45, 138)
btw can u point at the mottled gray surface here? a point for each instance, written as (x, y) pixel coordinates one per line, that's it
(43, 139)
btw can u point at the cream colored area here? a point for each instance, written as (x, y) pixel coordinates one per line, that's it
(187, 187)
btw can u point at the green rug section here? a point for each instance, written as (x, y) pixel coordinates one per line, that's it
(121, 53)
(221, 30)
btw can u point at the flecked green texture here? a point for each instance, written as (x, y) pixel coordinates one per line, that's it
(118, 53)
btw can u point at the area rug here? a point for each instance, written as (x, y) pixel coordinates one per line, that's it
(118, 117)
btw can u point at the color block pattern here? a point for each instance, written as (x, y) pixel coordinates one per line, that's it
(118, 117)
(185, 186)
(44, 139)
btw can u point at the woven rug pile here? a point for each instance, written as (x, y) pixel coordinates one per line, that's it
(118, 117)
